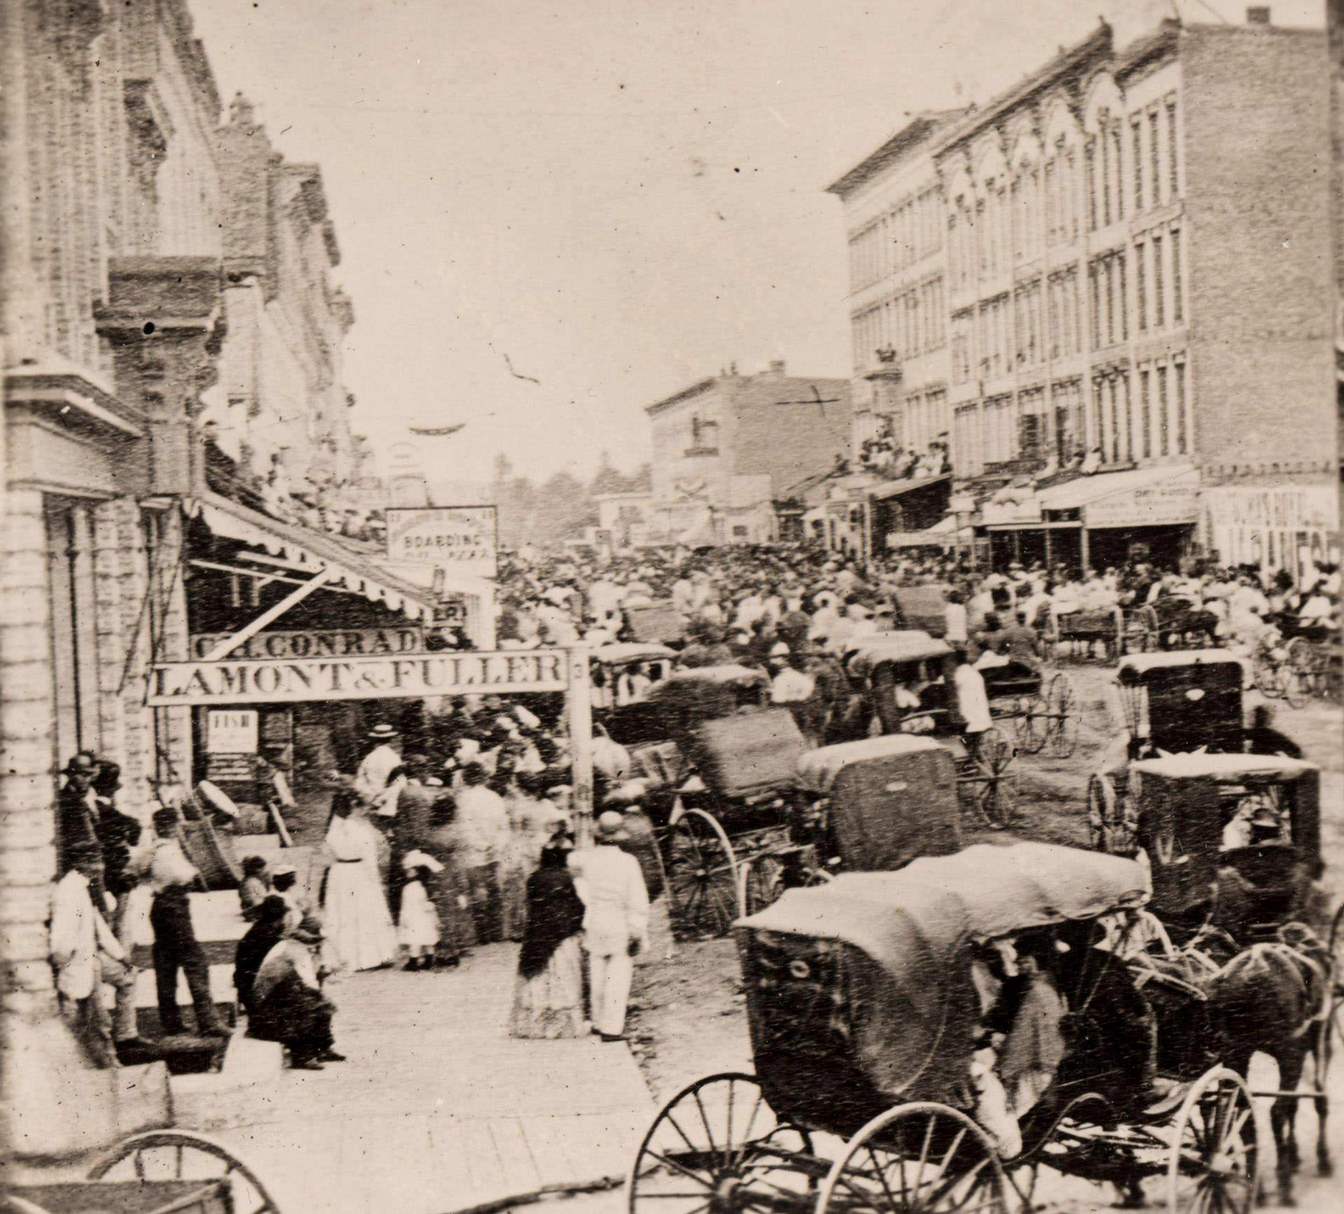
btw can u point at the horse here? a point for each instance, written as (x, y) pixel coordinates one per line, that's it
(1269, 999)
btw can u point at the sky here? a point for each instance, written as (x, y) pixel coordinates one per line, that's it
(612, 198)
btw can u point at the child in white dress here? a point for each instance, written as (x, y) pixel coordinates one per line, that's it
(418, 926)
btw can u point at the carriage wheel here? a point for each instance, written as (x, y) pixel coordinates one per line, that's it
(995, 788)
(183, 1155)
(1030, 725)
(717, 1145)
(1061, 725)
(921, 1158)
(701, 876)
(1215, 1148)
(1103, 816)
(760, 883)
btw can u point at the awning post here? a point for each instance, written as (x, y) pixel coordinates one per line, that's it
(579, 712)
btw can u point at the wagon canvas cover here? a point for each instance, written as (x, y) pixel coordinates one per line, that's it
(892, 799)
(747, 753)
(909, 1002)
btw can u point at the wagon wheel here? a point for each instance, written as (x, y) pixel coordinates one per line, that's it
(1215, 1147)
(718, 1145)
(183, 1155)
(1061, 726)
(760, 883)
(1102, 812)
(923, 1158)
(701, 875)
(1030, 724)
(994, 790)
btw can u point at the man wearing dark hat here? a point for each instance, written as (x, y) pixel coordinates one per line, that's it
(75, 808)
(119, 836)
(287, 1003)
(85, 952)
(176, 948)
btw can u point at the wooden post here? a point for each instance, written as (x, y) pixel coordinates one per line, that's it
(579, 711)
(1082, 548)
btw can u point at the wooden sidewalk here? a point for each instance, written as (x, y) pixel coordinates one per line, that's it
(436, 1109)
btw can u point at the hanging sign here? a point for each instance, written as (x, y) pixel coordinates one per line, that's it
(317, 643)
(462, 539)
(438, 674)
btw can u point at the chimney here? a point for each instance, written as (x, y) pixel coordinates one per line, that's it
(1257, 14)
(776, 366)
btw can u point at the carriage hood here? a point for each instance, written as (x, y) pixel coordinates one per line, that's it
(947, 902)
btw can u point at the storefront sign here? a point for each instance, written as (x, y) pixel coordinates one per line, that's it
(1172, 503)
(345, 643)
(358, 678)
(460, 538)
(1288, 527)
(1027, 510)
(231, 731)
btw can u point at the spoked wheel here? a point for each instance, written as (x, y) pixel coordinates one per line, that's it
(921, 1158)
(1029, 725)
(991, 781)
(701, 876)
(760, 882)
(717, 1146)
(1103, 820)
(1061, 725)
(181, 1155)
(1215, 1150)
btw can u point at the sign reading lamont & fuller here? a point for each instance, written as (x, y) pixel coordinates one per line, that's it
(358, 678)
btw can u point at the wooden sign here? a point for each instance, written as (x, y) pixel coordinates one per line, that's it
(317, 643)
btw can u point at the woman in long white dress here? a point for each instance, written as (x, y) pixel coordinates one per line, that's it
(357, 923)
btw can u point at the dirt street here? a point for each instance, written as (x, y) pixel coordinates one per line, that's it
(691, 1019)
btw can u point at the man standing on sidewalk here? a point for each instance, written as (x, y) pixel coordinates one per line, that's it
(84, 951)
(615, 922)
(176, 948)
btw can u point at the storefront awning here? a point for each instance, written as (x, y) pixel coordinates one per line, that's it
(897, 488)
(1140, 497)
(312, 550)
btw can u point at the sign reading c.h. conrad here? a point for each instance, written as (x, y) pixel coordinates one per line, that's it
(354, 678)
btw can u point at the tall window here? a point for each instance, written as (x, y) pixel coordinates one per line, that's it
(1105, 181)
(1145, 413)
(1115, 421)
(1119, 184)
(1090, 171)
(1159, 302)
(1140, 287)
(1094, 294)
(1154, 157)
(1177, 303)
(1178, 374)
(1128, 410)
(1137, 131)
(1163, 421)
(1173, 168)
(1108, 275)
(1122, 296)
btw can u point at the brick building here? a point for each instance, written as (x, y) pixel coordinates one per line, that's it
(121, 203)
(1137, 261)
(728, 448)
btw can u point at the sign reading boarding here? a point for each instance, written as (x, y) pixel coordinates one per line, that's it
(355, 678)
(459, 538)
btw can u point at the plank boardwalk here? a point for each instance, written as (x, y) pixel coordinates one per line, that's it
(436, 1109)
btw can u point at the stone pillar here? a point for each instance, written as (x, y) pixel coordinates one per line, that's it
(112, 641)
(137, 725)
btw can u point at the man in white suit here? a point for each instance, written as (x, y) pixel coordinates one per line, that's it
(615, 922)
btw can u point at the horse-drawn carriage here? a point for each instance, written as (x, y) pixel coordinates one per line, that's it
(867, 997)
(1079, 633)
(922, 607)
(871, 806)
(1172, 703)
(907, 677)
(717, 762)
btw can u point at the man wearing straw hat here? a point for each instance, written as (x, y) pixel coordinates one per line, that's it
(615, 922)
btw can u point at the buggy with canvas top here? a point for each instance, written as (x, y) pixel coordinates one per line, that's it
(871, 805)
(866, 1000)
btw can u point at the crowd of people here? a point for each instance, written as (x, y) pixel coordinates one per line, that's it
(462, 833)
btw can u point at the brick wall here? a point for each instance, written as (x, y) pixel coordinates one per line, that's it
(1257, 149)
(788, 442)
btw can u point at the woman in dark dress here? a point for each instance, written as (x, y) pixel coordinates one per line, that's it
(548, 997)
(257, 941)
(449, 891)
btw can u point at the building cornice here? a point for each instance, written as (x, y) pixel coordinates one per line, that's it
(685, 394)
